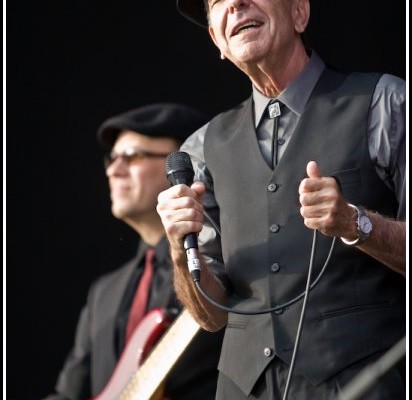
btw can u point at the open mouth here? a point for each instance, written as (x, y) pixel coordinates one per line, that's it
(245, 26)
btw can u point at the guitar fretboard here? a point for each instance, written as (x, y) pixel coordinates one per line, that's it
(149, 377)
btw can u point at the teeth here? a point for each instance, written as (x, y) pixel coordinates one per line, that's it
(248, 25)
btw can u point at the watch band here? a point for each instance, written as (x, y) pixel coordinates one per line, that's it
(363, 225)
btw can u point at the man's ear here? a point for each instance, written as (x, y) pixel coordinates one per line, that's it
(212, 35)
(301, 14)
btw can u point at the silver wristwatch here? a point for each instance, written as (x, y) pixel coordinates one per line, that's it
(363, 224)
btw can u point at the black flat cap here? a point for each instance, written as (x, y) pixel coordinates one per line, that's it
(172, 120)
(193, 10)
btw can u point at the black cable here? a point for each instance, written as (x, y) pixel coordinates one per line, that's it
(196, 278)
(195, 267)
(195, 273)
(212, 221)
(302, 316)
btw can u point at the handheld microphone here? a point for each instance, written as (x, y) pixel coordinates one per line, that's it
(179, 170)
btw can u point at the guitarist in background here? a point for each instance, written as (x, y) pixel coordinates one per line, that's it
(139, 142)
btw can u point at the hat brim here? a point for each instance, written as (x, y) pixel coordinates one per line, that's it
(194, 11)
(157, 120)
(107, 134)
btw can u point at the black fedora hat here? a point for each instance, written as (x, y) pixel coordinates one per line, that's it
(172, 120)
(193, 10)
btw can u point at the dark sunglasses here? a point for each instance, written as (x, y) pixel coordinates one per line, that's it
(130, 156)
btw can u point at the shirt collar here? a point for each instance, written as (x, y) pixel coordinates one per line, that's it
(296, 95)
(161, 250)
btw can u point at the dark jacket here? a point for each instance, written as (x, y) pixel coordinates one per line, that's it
(95, 354)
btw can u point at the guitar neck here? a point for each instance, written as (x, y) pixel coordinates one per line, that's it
(150, 375)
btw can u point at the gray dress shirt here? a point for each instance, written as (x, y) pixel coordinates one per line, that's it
(386, 140)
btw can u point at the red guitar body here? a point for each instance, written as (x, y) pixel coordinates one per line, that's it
(142, 341)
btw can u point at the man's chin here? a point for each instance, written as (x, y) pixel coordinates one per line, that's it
(119, 212)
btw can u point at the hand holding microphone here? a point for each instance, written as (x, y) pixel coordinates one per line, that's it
(179, 170)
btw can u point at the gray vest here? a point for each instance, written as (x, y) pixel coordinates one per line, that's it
(358, 307)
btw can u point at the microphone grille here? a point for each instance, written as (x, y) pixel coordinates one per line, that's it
(178, 160)
(179, 168)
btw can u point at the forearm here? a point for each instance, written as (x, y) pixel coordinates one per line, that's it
(387, 242)
(208, 316)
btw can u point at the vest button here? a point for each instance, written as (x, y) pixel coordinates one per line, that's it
(272, 187)
(281, 141)
(274, 228)
(267, 352)
(275, 267)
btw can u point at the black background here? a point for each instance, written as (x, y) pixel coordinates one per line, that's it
(71, 65)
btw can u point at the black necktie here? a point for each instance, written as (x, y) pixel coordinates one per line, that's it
(274, 112)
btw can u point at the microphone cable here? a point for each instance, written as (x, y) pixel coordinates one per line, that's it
(305, 294)
(302, 316)
(195, 273)
(180, 170)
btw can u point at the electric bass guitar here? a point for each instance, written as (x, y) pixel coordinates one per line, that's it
(150, 354)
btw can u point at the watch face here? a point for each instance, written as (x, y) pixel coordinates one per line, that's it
(365, 224)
